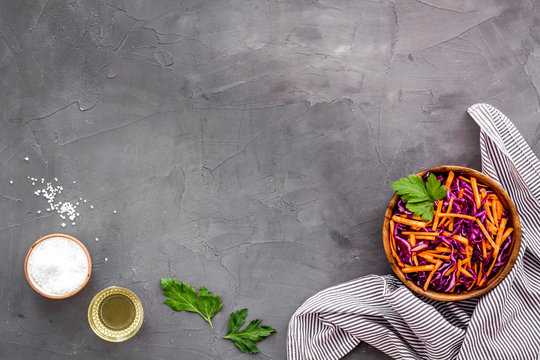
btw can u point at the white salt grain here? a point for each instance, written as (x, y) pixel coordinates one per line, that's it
(57, 266)
(114, 212)
(39, 211)
(63, 224)
(97, 239)
(106, 259)
(26, 158)
(51, 192)
(11, 182)
(91, 206)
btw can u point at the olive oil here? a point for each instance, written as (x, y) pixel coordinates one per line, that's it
(115, 314)
(117, 311)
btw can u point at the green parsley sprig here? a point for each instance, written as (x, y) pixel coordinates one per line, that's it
(245, 339)
(420, 197)
(182, 297)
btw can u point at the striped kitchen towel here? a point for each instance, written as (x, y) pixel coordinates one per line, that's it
(380, 310)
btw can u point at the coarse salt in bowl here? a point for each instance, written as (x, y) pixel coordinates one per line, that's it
(57, 266)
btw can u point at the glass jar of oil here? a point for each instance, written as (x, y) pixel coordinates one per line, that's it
(115, 314)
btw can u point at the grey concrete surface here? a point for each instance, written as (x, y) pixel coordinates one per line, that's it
(248, 146)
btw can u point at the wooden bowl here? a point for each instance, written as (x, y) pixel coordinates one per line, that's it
(513, 252)
(65, 295)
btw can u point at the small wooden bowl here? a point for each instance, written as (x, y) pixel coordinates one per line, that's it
(58, 296)
(514, 250)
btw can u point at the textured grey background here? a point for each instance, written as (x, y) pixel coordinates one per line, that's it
(247, 145)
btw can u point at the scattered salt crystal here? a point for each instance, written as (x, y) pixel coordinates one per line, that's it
(84, 200)
(57, 266)
(39, 211)
(11, 182)
(74, 223)
(106, 259)
(91, 206)
(56, 179)
(63, 224)
(114, 212)
(74, 182)
(33, 184)
(26, 158)
(97, 239)
(77, 203)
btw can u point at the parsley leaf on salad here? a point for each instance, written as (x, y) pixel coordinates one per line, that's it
(420, 197)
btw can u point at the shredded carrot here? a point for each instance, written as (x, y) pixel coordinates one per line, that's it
(430, 276)
(475, 192)
(437, 213)
(458, 271)
(459, 238)
(451, 226)
(495, 211)
(466, 273)
(506, 234)
(491, 267)
(410, 269)
(420, 224)
(484, 231)
(425, 237)
(499, 210)
(474, 281)
(484, 252)
(440, 256)
(483, 194)
(469, 181)
(427, 257)
(492, 228)
(443, 249)
(449, 180)
(480, 281)
(460, 195)
(420, 233)
(449, 271)
(448, 209)
(488, 212)
(468, 217)
(502, 227)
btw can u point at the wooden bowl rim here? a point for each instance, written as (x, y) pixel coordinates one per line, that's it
(514, 251)
(58, 296)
